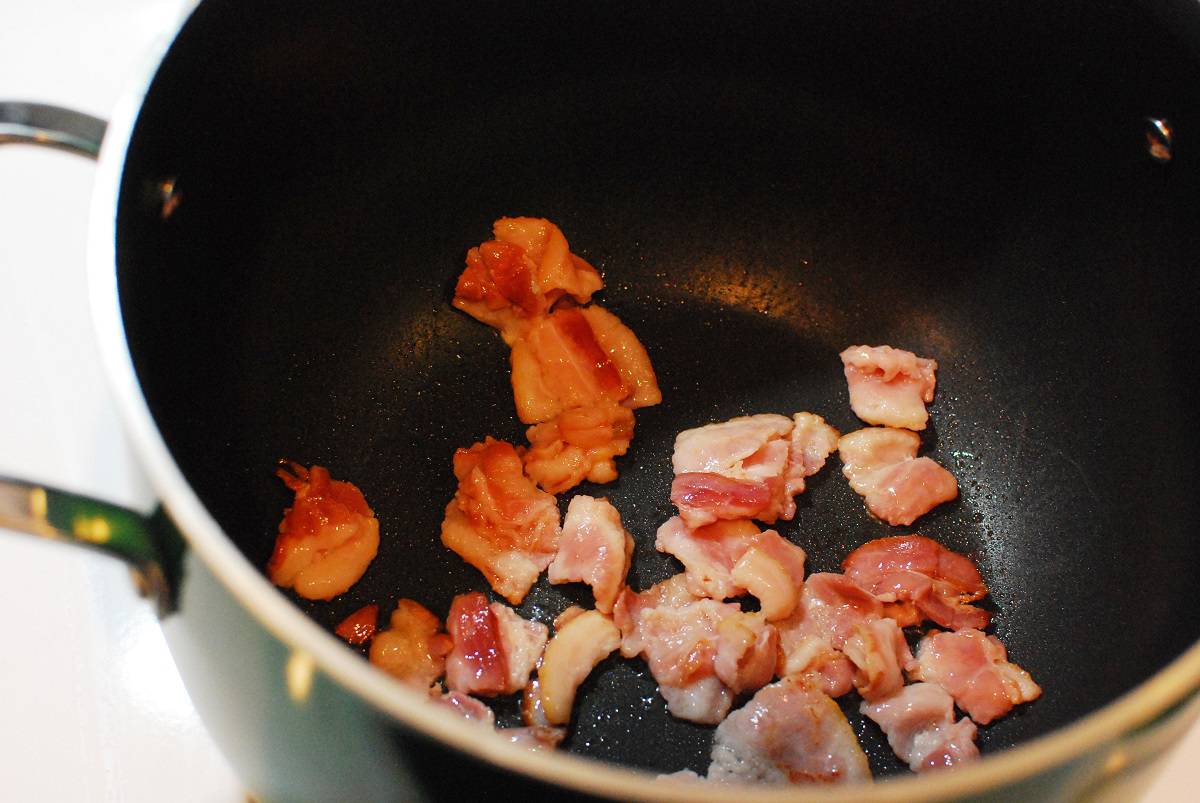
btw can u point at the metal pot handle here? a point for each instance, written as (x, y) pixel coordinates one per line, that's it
(51, 126)
(150, 544)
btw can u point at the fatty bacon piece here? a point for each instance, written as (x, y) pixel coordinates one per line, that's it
(577, 357)
(889, 387)
(789, 733)
(412, 649)
(594, 548)
(582, 640)
(499, 522)
(518, 276)
(880, 654)
(975, 670)
(919, 724)
(832, 607)
(912, 569)
(494, 648)
(882, 466)
(327, 538)
(748, 467)
(699, 651)
(728, 558)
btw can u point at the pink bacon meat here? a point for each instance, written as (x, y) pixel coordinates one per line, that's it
(789, 733)
(882, 466)
(594, 548)
(494, 648)
(747, 467)
(728, 558)
(975, 670)
(919, 724)
(888, 386)
(914, 569)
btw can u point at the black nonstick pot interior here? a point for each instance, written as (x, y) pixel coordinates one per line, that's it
(762, 185)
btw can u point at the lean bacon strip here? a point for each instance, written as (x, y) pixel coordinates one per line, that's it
(882, 466)
(889, 387)
(914, 569)
(499, 521)
(975, 670)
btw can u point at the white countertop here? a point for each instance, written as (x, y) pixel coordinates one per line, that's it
(91, 704)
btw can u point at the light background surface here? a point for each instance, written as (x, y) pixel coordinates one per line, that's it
(91, 706)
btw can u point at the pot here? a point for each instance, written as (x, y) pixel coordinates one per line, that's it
(940, 178)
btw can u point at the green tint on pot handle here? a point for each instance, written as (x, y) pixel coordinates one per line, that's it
(150, 544)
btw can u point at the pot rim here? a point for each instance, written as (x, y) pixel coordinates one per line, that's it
(287, 623)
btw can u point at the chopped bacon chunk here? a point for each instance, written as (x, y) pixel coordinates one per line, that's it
(327, 538)
(520, 274)
(494, 648)
(698, 650)
(499, 521)
(728, 558)
(534, 737)
(939, 583)
(579, 444)
(747, 467)
(811, 441)
(627, 354)
(359, 627)
(882, 466)
(467, 707)
(888, 386)
(412, 649)
(919, 724)
(880, 653)
(594, 548)
(811, 640)
(580, 643)
(975, 670)
(789, 733)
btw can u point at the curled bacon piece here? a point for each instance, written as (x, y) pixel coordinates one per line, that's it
(583, 639)
(889, 386)
(327, 538)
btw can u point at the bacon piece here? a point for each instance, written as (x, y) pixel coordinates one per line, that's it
(975, 670)
(912, 568)
(594, 548)
(880, 654)
(467, 707)
(811, 639)
(412, 649)
(811, 442)
(747, 467)
(580, 643)
(580, 444)
(789, 733)
(359, 627)
(882, 467)
(889, 386)
(535, 737)
(494, 648)
(627, 355)
(697, 650)
(499, 521)
(327, 538)
(728, 558)
(919, 724)
(520, 274)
